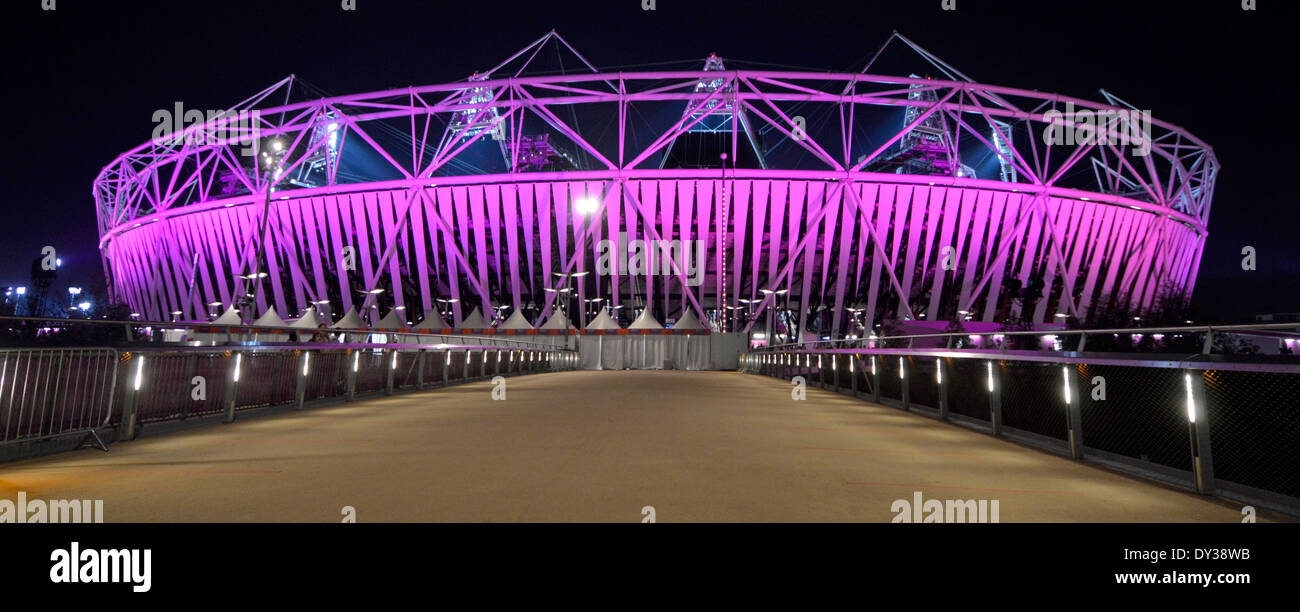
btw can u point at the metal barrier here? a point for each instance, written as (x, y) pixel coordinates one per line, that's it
(1210, 423)
(173, 383)
(56, 393)
(47, 394)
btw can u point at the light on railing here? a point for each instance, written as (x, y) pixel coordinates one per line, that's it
(1191, 404)
(394, 361)
(989, 366)
(448, 357)
(900, 368)
(356, 361)
(1065, 378)
(239, 359)
(306, 362)
(873, 365)
(938, 371)
(139, 373)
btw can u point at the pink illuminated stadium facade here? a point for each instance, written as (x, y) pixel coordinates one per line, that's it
(844, 200)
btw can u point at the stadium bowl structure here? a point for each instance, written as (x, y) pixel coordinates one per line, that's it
(834, 200)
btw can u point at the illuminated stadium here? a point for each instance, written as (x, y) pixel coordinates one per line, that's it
(776, 202)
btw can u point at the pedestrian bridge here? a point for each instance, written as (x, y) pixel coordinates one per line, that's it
(595, 446)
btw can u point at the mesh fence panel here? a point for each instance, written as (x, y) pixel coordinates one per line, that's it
(923, 387)
(326, 375)
(890, 384)
(1033, 400)
(1142, 416)
(372, 370)
(1255, 429)
(968, 387)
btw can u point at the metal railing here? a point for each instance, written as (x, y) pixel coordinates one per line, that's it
(55, 393)
(180, 382)
(1217, 424)
(1206, 336)
(51, 393)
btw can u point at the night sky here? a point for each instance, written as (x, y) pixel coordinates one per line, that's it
(83, 81)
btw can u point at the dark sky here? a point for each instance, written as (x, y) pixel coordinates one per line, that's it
(83, 81)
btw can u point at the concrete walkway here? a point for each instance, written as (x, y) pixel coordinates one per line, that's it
(591, 446)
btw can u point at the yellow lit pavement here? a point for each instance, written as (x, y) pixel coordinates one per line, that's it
(591, 446)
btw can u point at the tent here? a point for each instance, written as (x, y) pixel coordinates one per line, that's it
(647, 351)
(603, 321)
(473, 321)
(270, 319)
(432, 323)
(393, 321)
(307, 325)
(516, 321)
(592, 349)
(689, 321)
(557, 321)
(351, 320)
(229, 317)
(645, 321)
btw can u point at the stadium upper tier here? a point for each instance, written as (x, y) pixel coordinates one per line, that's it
(833, 199)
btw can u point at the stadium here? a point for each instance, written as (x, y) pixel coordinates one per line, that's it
(778, 203)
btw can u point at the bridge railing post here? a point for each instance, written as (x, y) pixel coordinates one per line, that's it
(134, 382)
(469, 357)
(1074, 410)
(446, 367)
(352, 373)
(300, 389)
(392, 370)
(905, 378)
(1198, 428)
(942, 380)
(419, 370)
(994, 375)
(232, 385)
(835, 367)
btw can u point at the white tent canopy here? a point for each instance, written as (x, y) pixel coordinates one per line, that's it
(392, 321)
(688, 321)
(603, 321)
(645, 321)
(307, 321)
(350, 320)
(432, 320)
(558, 321)
(432, 323)
(270, 319)
(516, 321)
(229, 317)
(473, 321)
